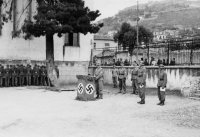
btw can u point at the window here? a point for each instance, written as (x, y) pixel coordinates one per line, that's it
(72, 39)
(107, 44)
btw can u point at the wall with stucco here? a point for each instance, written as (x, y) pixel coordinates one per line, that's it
(178, 76)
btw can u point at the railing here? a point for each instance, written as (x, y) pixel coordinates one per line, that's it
(184, 51)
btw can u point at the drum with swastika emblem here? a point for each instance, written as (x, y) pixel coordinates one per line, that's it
(86, 88)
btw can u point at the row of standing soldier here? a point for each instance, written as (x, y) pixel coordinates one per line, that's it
(21, 75)
(138, 78)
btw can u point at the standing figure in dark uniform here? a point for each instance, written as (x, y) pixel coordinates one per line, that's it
(35, 75)
(43, 76)
(1, 75)
(21, 75)
(28, 75)
(14, 76)
(114, 76)
(99, 81)
(162, 83)
(11, 75)
(134, 76)
(7, 76)
(122, 79)
(141, 83)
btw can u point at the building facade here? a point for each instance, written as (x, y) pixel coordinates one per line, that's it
(104, 41)
(71, 52)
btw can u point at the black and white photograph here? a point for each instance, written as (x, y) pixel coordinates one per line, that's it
(99, 68)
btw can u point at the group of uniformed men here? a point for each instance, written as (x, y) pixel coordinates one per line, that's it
(20, 75)
(138, 78)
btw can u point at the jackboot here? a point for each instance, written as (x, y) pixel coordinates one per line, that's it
(101, 96)
(97, 97)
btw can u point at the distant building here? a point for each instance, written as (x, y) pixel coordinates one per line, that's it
(104, 41)
(159, 35)
(162, 35)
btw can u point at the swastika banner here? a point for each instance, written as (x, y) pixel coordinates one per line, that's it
(85, 88)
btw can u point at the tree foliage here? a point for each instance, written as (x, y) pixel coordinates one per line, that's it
(127, 36)
(61, 16)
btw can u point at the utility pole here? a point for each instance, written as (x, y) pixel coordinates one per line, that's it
(137, 27)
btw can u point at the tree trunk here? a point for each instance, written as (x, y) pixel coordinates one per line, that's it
(50, 59)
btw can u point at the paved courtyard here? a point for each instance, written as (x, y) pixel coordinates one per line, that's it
(30, 112)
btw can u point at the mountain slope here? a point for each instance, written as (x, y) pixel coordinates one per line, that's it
(165, 13)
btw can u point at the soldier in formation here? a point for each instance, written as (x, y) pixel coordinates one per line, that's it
(20, 75)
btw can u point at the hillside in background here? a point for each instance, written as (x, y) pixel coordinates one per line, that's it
(163, 14)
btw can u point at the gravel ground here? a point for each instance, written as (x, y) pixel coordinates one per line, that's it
(29, 112)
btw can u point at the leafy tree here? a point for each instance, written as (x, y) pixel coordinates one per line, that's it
(127, 36)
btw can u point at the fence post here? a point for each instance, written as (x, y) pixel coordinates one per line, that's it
(148, 53)
(168, 54)
(191, 53)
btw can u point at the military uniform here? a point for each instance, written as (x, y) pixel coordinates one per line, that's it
(43, 76)
(7, 76)
(141, 80)
(122, 79)
(10, 79)
(162, 83)
(21, 75)
(114, 77)
(99, 82)
(35, 75)
(134, 77)
(17, 76)
(14, 76)
(1, 76)
(28, 75)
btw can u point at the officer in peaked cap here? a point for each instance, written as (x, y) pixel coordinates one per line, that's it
(162, 84)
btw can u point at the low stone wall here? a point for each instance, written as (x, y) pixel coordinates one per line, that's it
(179, 77)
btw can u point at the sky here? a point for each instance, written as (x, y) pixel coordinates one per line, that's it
(109, 8)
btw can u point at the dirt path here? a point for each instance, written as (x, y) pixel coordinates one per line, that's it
(34, 113)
